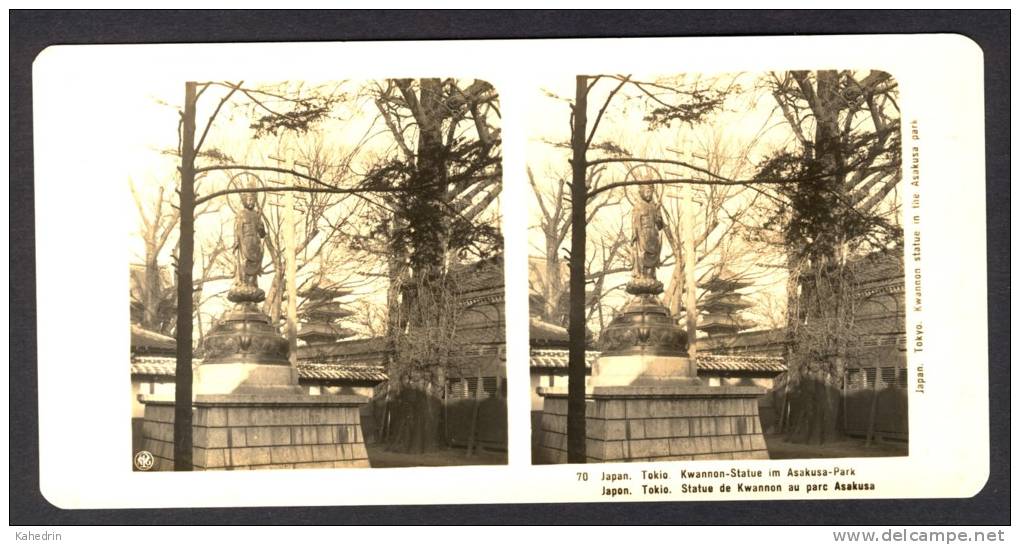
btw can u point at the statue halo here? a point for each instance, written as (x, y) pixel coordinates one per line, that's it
(635, 190)
(243, 180)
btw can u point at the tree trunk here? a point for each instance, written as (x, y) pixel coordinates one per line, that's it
(152, 296)
(415, 425)
(415, 422)
(817, 357)
(576, 428)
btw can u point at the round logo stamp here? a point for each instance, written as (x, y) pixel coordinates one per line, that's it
(144, 460)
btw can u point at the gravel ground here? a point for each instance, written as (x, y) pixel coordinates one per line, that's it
(379, 457)
(779, 449)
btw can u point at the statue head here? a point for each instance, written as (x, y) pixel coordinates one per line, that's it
(647, 193)
(248, 200)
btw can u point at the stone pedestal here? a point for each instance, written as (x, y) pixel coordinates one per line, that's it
(646, 402)
(263, 431)
(657, 423)
(249, 411)
(643, 370)
(245, 379)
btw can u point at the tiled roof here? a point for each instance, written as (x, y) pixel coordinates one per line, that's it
(156, 366)
(342, 371)
(367, 349)
(485, 275)
(557, 359)
(166, 367)
(741, 363)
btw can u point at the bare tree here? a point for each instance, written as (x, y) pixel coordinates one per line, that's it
(158, 224)
(554, 204)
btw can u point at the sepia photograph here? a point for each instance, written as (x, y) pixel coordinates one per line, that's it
(716, 267)
(316, 275)
(440, 273)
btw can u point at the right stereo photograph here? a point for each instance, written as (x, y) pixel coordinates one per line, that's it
(716, 267)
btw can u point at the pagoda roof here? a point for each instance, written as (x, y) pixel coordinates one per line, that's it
(330, 310)
(324, 293)
(722, 323)
(724, 279)
(725, 301)
(315, 332)
(723, 284)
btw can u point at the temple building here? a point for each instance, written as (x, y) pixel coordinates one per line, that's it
(876, 366)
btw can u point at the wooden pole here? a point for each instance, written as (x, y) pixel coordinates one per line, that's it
(579, 197)
(289, 236)
(185, 261)
(290, 251)
(690, 293)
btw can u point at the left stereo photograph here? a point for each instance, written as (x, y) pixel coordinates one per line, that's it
(316, 275)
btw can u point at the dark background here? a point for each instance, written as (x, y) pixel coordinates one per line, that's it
(31, 31)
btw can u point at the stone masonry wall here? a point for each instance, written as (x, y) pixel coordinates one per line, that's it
(657, 428)
(261, 437)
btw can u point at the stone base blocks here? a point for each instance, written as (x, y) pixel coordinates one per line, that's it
(658, 423)
(283, 431)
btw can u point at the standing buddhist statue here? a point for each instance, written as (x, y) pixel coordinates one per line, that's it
(646, 222)
(245, 334)
(646, 244)
(248, 234)
(644, 326)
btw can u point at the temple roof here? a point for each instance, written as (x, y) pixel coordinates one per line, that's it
(555, 358)
(342, 371)
(345, 371)
(544, 332)
(145, 340)
(741, 363)
(372, 349)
